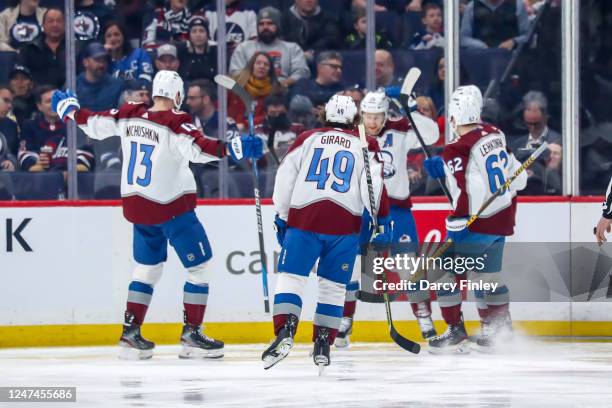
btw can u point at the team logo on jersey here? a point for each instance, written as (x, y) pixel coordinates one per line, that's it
(386, 158)
(190, 257)
(388, 140)
(86, 26)
(25, 31)
(233, 33)
(345, 267)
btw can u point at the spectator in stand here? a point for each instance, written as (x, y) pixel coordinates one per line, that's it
(97, 90)
(311, 27)
(137, 91)
(436, 89)
(357, 38)
(535, 119)
(426, 107)
(328, 80)
(494, 24)
(44, 145)
(166, 58)
(45, 57)
(302, 112)
(8, 126)
(198, 59)
(202, 103)
(277, 131)
(354, 92)
(431, 35)
(259, 80)
(8, 162)
(385, 70)
(20, 23)
(22, 86)
(380, 5)
(169, 25)
(241, 23)
(89, 19)
(126, 63)
(288, 58)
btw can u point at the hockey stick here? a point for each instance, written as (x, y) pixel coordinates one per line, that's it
(409, 81)
(229, 84)
(501, 190)
(401, 341)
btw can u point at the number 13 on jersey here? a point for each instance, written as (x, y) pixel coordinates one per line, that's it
(147, 151)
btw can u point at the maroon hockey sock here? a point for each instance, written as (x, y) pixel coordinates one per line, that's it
(421, 309)
(484, 313)
(279, 321)
(349, 308)
(451, 314)
(139, 298)
(497, 311)
(138, 310)
(194, 302)
(332, 333)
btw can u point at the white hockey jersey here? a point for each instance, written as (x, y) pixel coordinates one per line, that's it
(396, 139)
(156, 182)
(240, 25)
(321, 183)
(476, 165)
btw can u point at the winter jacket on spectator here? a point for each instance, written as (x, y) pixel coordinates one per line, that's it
(197, 66)
(288, 57)
(12, 36)
(99, 96)
(9, 129)
(136, 65)
(317, 93)
(424, 40)
(5, 153)
(319, 31)
(241, 24)
(486, 26)
(37, 132)
(47, 67)
(354, 41)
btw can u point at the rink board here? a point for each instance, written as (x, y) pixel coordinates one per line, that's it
(70, 287)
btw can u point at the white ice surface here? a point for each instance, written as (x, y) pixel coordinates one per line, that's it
(528, 374)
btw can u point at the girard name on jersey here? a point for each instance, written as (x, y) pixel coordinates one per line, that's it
(335, 139)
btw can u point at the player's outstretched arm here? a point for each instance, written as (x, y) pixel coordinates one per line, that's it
(97, 125)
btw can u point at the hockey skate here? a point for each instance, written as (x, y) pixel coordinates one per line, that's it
(282, 345)
(132, 345)
(494, 331)
(320, 353)
(198, 345)
(453, 341)
(344, 332)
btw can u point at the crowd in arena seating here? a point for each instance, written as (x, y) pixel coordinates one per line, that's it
(291, 56)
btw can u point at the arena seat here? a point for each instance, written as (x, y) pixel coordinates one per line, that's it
(391, 23)
(7, 61)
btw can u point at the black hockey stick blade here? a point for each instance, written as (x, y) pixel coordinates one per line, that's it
(375, 297)
(231, 85)
(403, 342)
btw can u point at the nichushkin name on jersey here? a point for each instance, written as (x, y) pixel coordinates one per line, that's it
(491, 145)
(335, 139)
(141, 131)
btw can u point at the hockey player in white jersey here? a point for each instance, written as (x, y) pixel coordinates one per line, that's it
(395, 138)
(474, 166)
(158, 193)
(320, 194)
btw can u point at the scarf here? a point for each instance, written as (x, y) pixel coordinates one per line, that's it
(258, 87)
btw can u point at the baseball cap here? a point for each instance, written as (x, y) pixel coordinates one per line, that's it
(20, 69)
(95, 50)
(166, 49)
(138, 85)
(198, 21)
